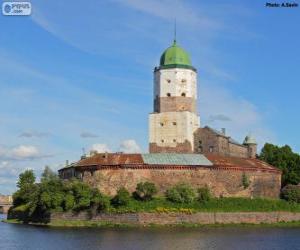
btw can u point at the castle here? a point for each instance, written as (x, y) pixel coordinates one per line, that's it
(180, 150)
(174, 126)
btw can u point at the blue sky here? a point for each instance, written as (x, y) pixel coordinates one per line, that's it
(78, 74)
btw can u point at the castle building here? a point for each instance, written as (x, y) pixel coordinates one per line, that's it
(174, 125)
(180, 150)
(175, 119)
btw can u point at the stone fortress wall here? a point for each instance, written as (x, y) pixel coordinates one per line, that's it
(208, 140)
(221, 181)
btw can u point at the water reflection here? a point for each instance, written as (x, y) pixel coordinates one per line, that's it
(30, 237)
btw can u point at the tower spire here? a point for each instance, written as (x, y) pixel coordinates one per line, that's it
(175, 31)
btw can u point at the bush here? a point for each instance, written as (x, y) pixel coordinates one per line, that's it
(291, 193)
(100, 202)
(69, 202)
(245, 181)
(145, 191)
(181, 193)
(122, 198)
(204, 194)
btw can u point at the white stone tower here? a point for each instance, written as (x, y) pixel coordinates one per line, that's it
(174, 120)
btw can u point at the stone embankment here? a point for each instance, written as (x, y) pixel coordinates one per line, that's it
(174, 218)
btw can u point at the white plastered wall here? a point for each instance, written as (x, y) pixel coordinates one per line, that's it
(170, 128)
(175, 81)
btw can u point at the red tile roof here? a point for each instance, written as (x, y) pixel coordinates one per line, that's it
(111, 159)
(131, 160)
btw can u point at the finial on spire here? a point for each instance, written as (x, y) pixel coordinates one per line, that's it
(175, 31)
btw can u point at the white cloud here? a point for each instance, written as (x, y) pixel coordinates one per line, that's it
(21, 152)
(24, 151)
(238, 115)
(88, 135)
(100, 148)
(30, 134)
(129, 146)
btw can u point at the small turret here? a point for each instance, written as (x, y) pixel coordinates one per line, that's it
(250, 142)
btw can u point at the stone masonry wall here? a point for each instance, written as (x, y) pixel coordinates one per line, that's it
(185, 147)
(174, 103)
(179, 218)
(221, 182)
(204, 139)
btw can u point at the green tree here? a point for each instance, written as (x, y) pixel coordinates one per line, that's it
(48, 174)
(291, 193)
(145, 191)
(26, 178)
(204, 194)
(82, 194)
(122, 198)
(27, 188)
(99, 202)
(69, 202)
(181, 193)
(285, 159)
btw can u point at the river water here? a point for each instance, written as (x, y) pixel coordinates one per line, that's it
(25, 237)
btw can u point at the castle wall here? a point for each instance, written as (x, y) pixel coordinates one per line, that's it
(238, 150)
(206, 141)
(173, 218)
(174, 103)
(221, 181)
(172, 129)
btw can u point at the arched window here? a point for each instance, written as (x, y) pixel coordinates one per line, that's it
(183, 94)
(162, 140)
(168, 94)
(161, 124)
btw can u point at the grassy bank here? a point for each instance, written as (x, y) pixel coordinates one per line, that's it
(95, 224)
(213, 205)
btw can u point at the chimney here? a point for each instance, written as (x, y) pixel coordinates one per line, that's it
(67, 163)
(223, 131)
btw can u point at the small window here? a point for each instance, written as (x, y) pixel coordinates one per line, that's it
(168, 80)
(168, 94)
(161, 124)
(183, 80)
(183, 94)
(200, 142)
(174, 123)
(211, 149)
(174, 140)
(162, 140)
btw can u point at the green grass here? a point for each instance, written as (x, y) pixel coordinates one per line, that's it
(98, 224)
(214, 205)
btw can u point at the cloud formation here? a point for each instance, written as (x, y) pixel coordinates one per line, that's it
(100, 148)
(88, 135)
(219, 117)
(21, 152)
(129, 146)
(31, 134)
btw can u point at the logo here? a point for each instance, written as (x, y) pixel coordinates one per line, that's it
(16, 8)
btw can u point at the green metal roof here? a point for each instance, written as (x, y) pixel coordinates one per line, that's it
(176, 159)
(175, 57)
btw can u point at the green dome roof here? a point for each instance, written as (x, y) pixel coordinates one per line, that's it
(175, 56)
